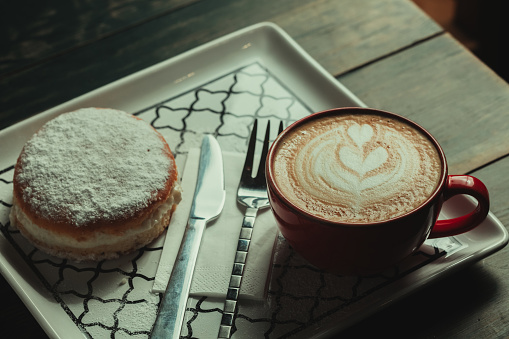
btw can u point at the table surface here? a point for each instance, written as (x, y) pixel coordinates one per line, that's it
(389, 53)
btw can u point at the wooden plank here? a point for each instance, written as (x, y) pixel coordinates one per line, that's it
(447, 90)
(44, 29)
(340, 34)
(345, 34)
(496, 179)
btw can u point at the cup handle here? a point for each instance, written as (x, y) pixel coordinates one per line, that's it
(463, 184)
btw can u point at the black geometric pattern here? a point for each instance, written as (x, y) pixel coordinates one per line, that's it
(113, 299)
(303, 300)
(226, 108)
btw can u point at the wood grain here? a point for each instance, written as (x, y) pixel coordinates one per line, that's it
(341, 35)
(444, 88)
(496, 178)
(41, 30)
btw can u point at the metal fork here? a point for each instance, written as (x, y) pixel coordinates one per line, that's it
(252, 193)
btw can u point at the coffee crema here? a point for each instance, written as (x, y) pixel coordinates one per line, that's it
(356, 168)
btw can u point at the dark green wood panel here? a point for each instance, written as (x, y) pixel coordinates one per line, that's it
(340, 34)
(33, 31)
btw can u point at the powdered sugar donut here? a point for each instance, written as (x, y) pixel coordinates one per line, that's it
(94, 184)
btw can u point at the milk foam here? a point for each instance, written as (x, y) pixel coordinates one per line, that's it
(357, 168)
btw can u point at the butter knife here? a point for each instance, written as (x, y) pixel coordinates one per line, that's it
(207, 204)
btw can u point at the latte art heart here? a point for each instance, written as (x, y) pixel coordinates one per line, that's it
(360, 134)
(354, 158)
(360, 164)
(357, 168)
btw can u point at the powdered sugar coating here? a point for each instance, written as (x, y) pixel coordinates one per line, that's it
(92, 164)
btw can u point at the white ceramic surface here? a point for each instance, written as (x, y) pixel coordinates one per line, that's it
(217, 89)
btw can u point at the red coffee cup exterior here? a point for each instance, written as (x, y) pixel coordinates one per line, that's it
(368, 248)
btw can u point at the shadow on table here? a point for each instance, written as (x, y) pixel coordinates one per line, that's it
(435, 310)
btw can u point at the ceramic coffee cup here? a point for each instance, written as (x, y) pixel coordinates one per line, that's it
(356, 190)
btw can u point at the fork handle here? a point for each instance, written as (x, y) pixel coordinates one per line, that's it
(239, 264)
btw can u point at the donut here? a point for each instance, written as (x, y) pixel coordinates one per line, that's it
(94, 184)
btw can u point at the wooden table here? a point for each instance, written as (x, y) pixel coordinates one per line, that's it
(390, 54)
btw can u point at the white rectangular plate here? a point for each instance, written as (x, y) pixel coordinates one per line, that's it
(218, 88)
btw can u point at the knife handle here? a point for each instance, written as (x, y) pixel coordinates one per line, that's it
(173, 306)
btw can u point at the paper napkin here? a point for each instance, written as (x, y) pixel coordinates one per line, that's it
(217, 251)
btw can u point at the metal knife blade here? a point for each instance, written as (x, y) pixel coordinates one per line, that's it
(209, 195)
(207, 204)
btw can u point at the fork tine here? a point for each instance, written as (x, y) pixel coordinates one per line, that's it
(263, 158)
(248, 164)
(281, 127)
